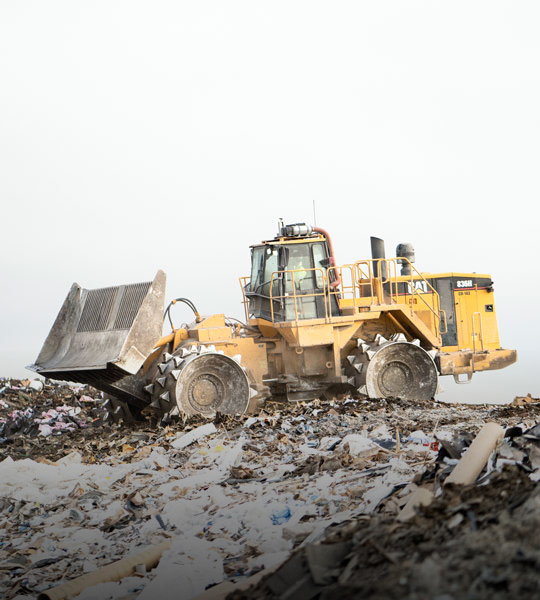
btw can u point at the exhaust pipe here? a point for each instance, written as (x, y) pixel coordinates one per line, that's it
(378, 255)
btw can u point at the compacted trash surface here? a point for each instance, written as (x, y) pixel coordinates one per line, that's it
(299, 501)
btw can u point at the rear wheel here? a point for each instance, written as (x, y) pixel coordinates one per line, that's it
(395, 368)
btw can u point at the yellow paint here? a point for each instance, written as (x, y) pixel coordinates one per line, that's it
(211, 329)
(265, 327)
(165, 340)
(476, 328)
(253, 353)
(283, 241)
(467, 362)
(180, 335)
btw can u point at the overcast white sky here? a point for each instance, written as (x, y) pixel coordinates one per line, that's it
(144, 135)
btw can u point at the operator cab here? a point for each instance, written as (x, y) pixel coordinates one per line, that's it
(290, 278)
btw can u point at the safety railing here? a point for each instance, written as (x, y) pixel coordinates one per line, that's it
(377, 282)
(290, 278)
(293, 299)
(362, 285)
(419, 294)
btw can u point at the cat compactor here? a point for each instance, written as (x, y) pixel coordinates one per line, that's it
(374, 328)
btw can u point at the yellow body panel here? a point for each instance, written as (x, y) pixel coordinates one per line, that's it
(477, 329)
(265, 327)
(253, 354)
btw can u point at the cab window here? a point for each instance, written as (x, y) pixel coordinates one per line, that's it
(271, 266)
(320, 261)
(257, 268)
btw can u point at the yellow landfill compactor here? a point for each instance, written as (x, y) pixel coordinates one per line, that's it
(373, 328)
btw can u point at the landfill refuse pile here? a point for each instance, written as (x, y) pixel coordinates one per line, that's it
(306, 500)
(474, 542)
(47, 420)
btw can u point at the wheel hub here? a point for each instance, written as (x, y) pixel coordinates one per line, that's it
(205, 392)
(394, 378)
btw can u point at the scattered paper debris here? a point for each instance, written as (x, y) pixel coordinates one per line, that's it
(316, 487)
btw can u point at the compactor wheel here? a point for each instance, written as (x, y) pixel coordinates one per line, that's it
(117, 410)
(393, 368)
(199, 380)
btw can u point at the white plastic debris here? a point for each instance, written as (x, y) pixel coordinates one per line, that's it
(359, 445)
(329, 443)
(251, 421)
(36, 385)
(188, 438)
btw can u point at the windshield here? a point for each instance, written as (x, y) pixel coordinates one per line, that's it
(300, 262)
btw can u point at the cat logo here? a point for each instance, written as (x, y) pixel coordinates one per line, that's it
(418, 286)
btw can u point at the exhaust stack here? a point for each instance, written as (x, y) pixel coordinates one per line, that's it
(378, 255)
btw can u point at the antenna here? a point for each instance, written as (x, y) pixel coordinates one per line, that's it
(314, 214)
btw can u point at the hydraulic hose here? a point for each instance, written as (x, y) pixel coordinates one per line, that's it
(185, 301)
(337, 281)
